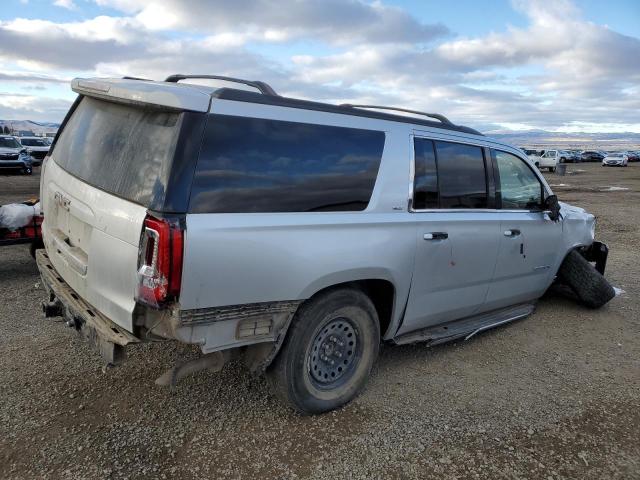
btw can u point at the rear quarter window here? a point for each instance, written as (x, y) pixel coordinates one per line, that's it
(257, 165)
(121, 149)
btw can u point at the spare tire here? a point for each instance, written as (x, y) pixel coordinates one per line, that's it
(591, 288)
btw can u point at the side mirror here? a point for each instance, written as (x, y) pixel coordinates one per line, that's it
(552, 207)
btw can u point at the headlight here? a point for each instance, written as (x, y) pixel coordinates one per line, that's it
(593, 229)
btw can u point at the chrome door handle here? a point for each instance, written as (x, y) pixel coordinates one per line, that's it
(436, 236)
(514, 232)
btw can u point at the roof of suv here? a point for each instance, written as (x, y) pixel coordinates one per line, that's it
(189, 96)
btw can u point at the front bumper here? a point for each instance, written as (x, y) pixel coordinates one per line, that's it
(597, 252)
(108, 338)
(14, 164)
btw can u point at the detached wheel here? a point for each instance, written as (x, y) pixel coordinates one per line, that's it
(329, 351)
(591, 288)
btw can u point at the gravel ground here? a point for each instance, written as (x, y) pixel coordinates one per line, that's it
(554, 396)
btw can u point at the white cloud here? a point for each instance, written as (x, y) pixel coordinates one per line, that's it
(31, 107)
(333, 21)
(68, 4)
(560, 71)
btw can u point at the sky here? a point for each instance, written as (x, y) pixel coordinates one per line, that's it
(500, 65)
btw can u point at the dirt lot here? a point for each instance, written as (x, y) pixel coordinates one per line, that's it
(554, 396)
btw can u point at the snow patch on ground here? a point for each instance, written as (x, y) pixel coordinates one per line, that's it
(613, 189)
(559, 185)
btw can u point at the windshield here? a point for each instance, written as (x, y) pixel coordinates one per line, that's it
(33, 142)
(9, 142)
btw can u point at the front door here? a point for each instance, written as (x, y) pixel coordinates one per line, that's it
(457, 233)
(528, 238)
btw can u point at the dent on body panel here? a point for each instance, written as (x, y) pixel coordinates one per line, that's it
(577, 226)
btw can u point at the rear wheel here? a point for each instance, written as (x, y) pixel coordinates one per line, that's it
(552, 169)
(27, 170)
(329, 351)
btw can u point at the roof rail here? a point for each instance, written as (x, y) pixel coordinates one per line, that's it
(437, 116)
(263, 87)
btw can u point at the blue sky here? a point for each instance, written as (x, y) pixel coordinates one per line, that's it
(501, 65)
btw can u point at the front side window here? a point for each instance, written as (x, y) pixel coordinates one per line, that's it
(259, 165)
(519, 187)
(461, 175)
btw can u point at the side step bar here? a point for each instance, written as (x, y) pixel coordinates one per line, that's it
(466, 327)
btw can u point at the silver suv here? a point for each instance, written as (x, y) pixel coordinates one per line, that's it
(292, 234)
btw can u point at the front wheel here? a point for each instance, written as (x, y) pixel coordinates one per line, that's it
(552, 169)
(329, 351)
(27, 170)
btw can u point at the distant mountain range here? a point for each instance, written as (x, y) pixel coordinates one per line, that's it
(37, 128)
(542, 138)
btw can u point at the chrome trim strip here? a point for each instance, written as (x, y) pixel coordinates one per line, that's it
(497, 324)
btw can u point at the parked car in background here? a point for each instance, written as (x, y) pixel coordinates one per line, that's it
(592, 156)
(573, 156)
(551, 158)
(13, 156)
(615, 159)
(633, 155)
(535, 158)
(37, 147)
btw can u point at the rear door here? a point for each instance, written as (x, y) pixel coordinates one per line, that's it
(529, 239)
(457, 233)
(110, 164)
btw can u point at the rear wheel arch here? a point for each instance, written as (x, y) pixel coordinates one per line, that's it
(381, 292)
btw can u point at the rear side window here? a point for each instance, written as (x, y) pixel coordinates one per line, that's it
(258, 165)
(461, 175)
(122, 149)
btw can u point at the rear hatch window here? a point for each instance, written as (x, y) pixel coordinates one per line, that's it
(122, 149)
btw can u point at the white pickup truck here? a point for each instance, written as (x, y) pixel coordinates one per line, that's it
(548, 159)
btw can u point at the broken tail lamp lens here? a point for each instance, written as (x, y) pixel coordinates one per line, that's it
(159, 261)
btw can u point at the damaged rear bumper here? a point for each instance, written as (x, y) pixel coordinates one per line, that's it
(108, 338)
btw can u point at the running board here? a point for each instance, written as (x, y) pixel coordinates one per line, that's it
(466, 327)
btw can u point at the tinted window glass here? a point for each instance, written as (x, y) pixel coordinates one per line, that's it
(121, 149)
(461, 175)
(257, 165)
(9, 142)
(33, 142)
(425, 184)
(519, 186)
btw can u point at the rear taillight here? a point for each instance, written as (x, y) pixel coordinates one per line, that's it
(159, 261)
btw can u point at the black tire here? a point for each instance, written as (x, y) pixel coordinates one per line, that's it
(347, 310)
(27, 170)
(591, 288)
(552, 169)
